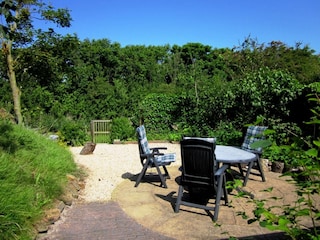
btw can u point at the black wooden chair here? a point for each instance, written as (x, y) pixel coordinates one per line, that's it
(152, 158)
(201, 179)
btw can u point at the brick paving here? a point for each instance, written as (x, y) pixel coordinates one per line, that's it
(99, 221)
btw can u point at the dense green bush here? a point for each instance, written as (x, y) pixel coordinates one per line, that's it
(227, 134)
(73, 133)
(265, 92)
(193, 86)
(122, 129)
(158, 111)
(7, 139)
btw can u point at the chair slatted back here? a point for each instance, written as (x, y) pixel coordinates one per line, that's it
(198, 162)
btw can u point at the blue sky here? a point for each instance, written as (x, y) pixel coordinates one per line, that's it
(218, 23)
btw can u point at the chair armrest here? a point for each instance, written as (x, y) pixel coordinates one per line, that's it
(158, 148)
(151, 155)
(221, 170)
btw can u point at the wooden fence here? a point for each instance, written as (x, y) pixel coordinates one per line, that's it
(100, 130)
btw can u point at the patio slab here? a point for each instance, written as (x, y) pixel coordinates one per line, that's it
(153, 207)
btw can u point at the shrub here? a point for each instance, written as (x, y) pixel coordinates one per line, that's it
(158, 111)
(265, 92)
(73, 133)
(227, 134)
(7, 140)
(122, 129)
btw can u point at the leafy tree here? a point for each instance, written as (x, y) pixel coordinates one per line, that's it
(298, 60)
(158, 111)
(265, 92)
(17, 29)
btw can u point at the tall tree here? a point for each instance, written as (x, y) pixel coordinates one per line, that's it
(17, 29)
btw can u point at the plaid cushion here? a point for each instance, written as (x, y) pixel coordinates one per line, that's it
(166, 158)
(254, 133)
(143, 141)
(161, 159)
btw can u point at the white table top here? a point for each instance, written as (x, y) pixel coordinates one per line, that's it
(229, 154)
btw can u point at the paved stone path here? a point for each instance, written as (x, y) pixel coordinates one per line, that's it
(99, 221)
(146, 212)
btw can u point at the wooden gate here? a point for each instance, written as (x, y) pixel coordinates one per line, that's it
(100, 131)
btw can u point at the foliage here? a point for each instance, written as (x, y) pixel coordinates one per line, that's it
(7, 140)
(192, 86)
(283, 143)
(16, 29)
(227, 134)
(265, 92)
(174, 137)
(73, 133)
(306, 180)
(122, 129)
(251, 55)
(158, 111)
(32, 175)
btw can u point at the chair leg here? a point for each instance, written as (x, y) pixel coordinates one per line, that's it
(166, 171)
(225, 191)
(248, 173)
(240, 169)
(142, 173)
(178, 202)
(162, 179)
(218, 198)
(261, 170)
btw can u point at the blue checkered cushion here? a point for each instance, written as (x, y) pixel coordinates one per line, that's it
(143, 141)
(254, 133)
(161, 159)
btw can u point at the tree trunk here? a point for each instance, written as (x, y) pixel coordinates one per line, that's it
(16, 93)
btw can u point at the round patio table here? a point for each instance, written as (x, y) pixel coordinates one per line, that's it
(228, 155)
(233, 155)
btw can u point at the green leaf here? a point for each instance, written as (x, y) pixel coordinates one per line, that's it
(303, 212)
(314, 121)
(268, 189)
(269, 215)
(283, 224)
(261, 144)
(317, 143)
(312, 152)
